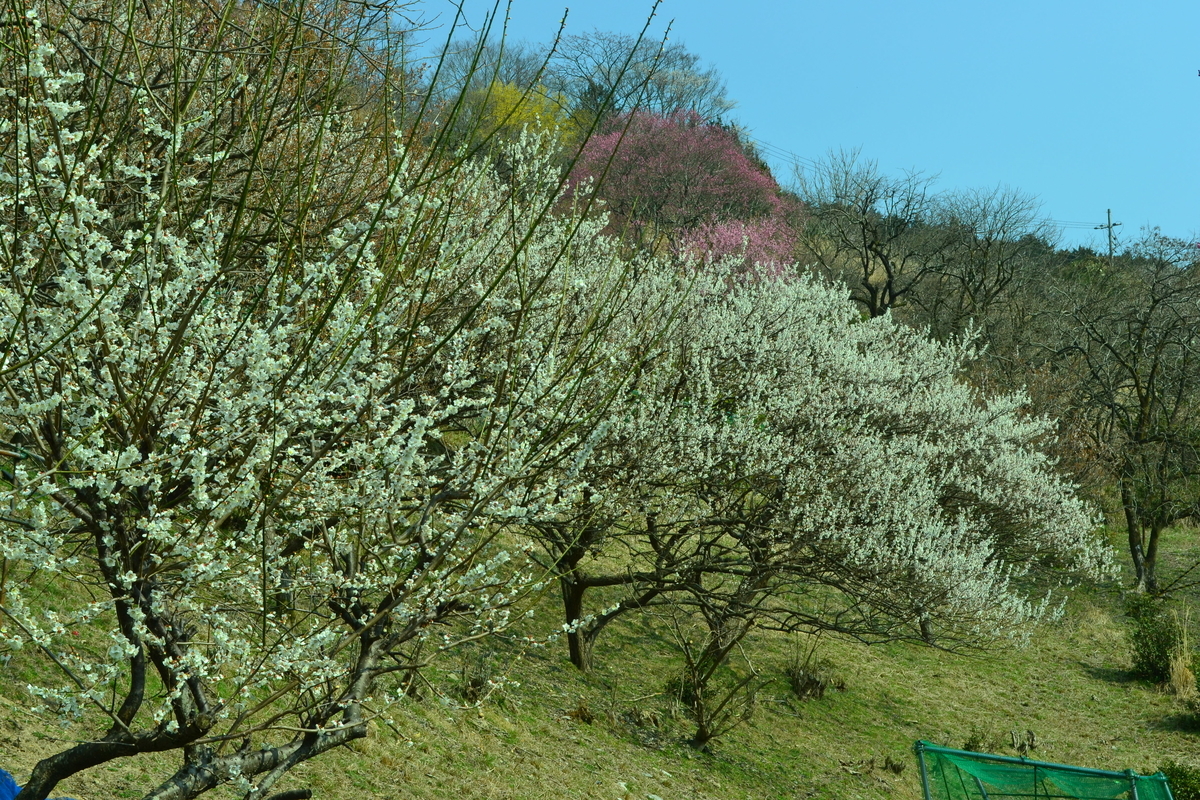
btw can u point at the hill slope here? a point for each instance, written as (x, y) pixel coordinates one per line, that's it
(616, 734)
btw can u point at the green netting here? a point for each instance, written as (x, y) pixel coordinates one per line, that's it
(962, 775)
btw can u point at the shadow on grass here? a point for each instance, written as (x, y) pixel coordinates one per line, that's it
(1102, 672)
(1182, 722)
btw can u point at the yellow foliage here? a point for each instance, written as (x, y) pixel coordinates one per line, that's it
(507, 109)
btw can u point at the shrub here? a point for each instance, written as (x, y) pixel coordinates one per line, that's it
(1184, 780)
(477, 677)
(809, 677)
(981, 739)
(1157, 638)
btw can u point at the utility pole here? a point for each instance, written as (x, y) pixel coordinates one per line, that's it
(1110, 227)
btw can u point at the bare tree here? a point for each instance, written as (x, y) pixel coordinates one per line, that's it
(470, 64)
(1131, 335)
(998, 244)
(877, 232)
(602, 70)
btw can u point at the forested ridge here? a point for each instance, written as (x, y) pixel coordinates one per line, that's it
(498, 424)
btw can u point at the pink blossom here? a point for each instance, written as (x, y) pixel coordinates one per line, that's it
(676, 171)
(766, 241)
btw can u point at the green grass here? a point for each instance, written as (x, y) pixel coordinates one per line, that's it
(615, 734)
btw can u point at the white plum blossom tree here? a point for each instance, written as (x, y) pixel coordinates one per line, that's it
(281, 386)
(880, 495)
(782, 462)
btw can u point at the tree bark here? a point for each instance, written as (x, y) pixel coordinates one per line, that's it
(1134, 530)
(1150, 564)
(578, 642)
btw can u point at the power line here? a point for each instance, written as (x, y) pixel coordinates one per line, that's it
(1077, 226)
(785, 155)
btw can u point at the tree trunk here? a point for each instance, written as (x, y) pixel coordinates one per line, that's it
(701, 737)
(1150, 562)
(1134, 529)
(578, 642)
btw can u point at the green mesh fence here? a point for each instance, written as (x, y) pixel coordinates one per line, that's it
(962, 775)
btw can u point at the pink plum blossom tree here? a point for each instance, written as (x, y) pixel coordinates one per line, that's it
(764, 244)
(682, 179)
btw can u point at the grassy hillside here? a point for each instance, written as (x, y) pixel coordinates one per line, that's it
(616, 733)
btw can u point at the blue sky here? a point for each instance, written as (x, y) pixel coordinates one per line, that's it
(1087, 105)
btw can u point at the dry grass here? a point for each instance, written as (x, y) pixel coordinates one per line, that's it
(1182, 681)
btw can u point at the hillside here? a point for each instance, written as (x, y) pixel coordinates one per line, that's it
(614, 734)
